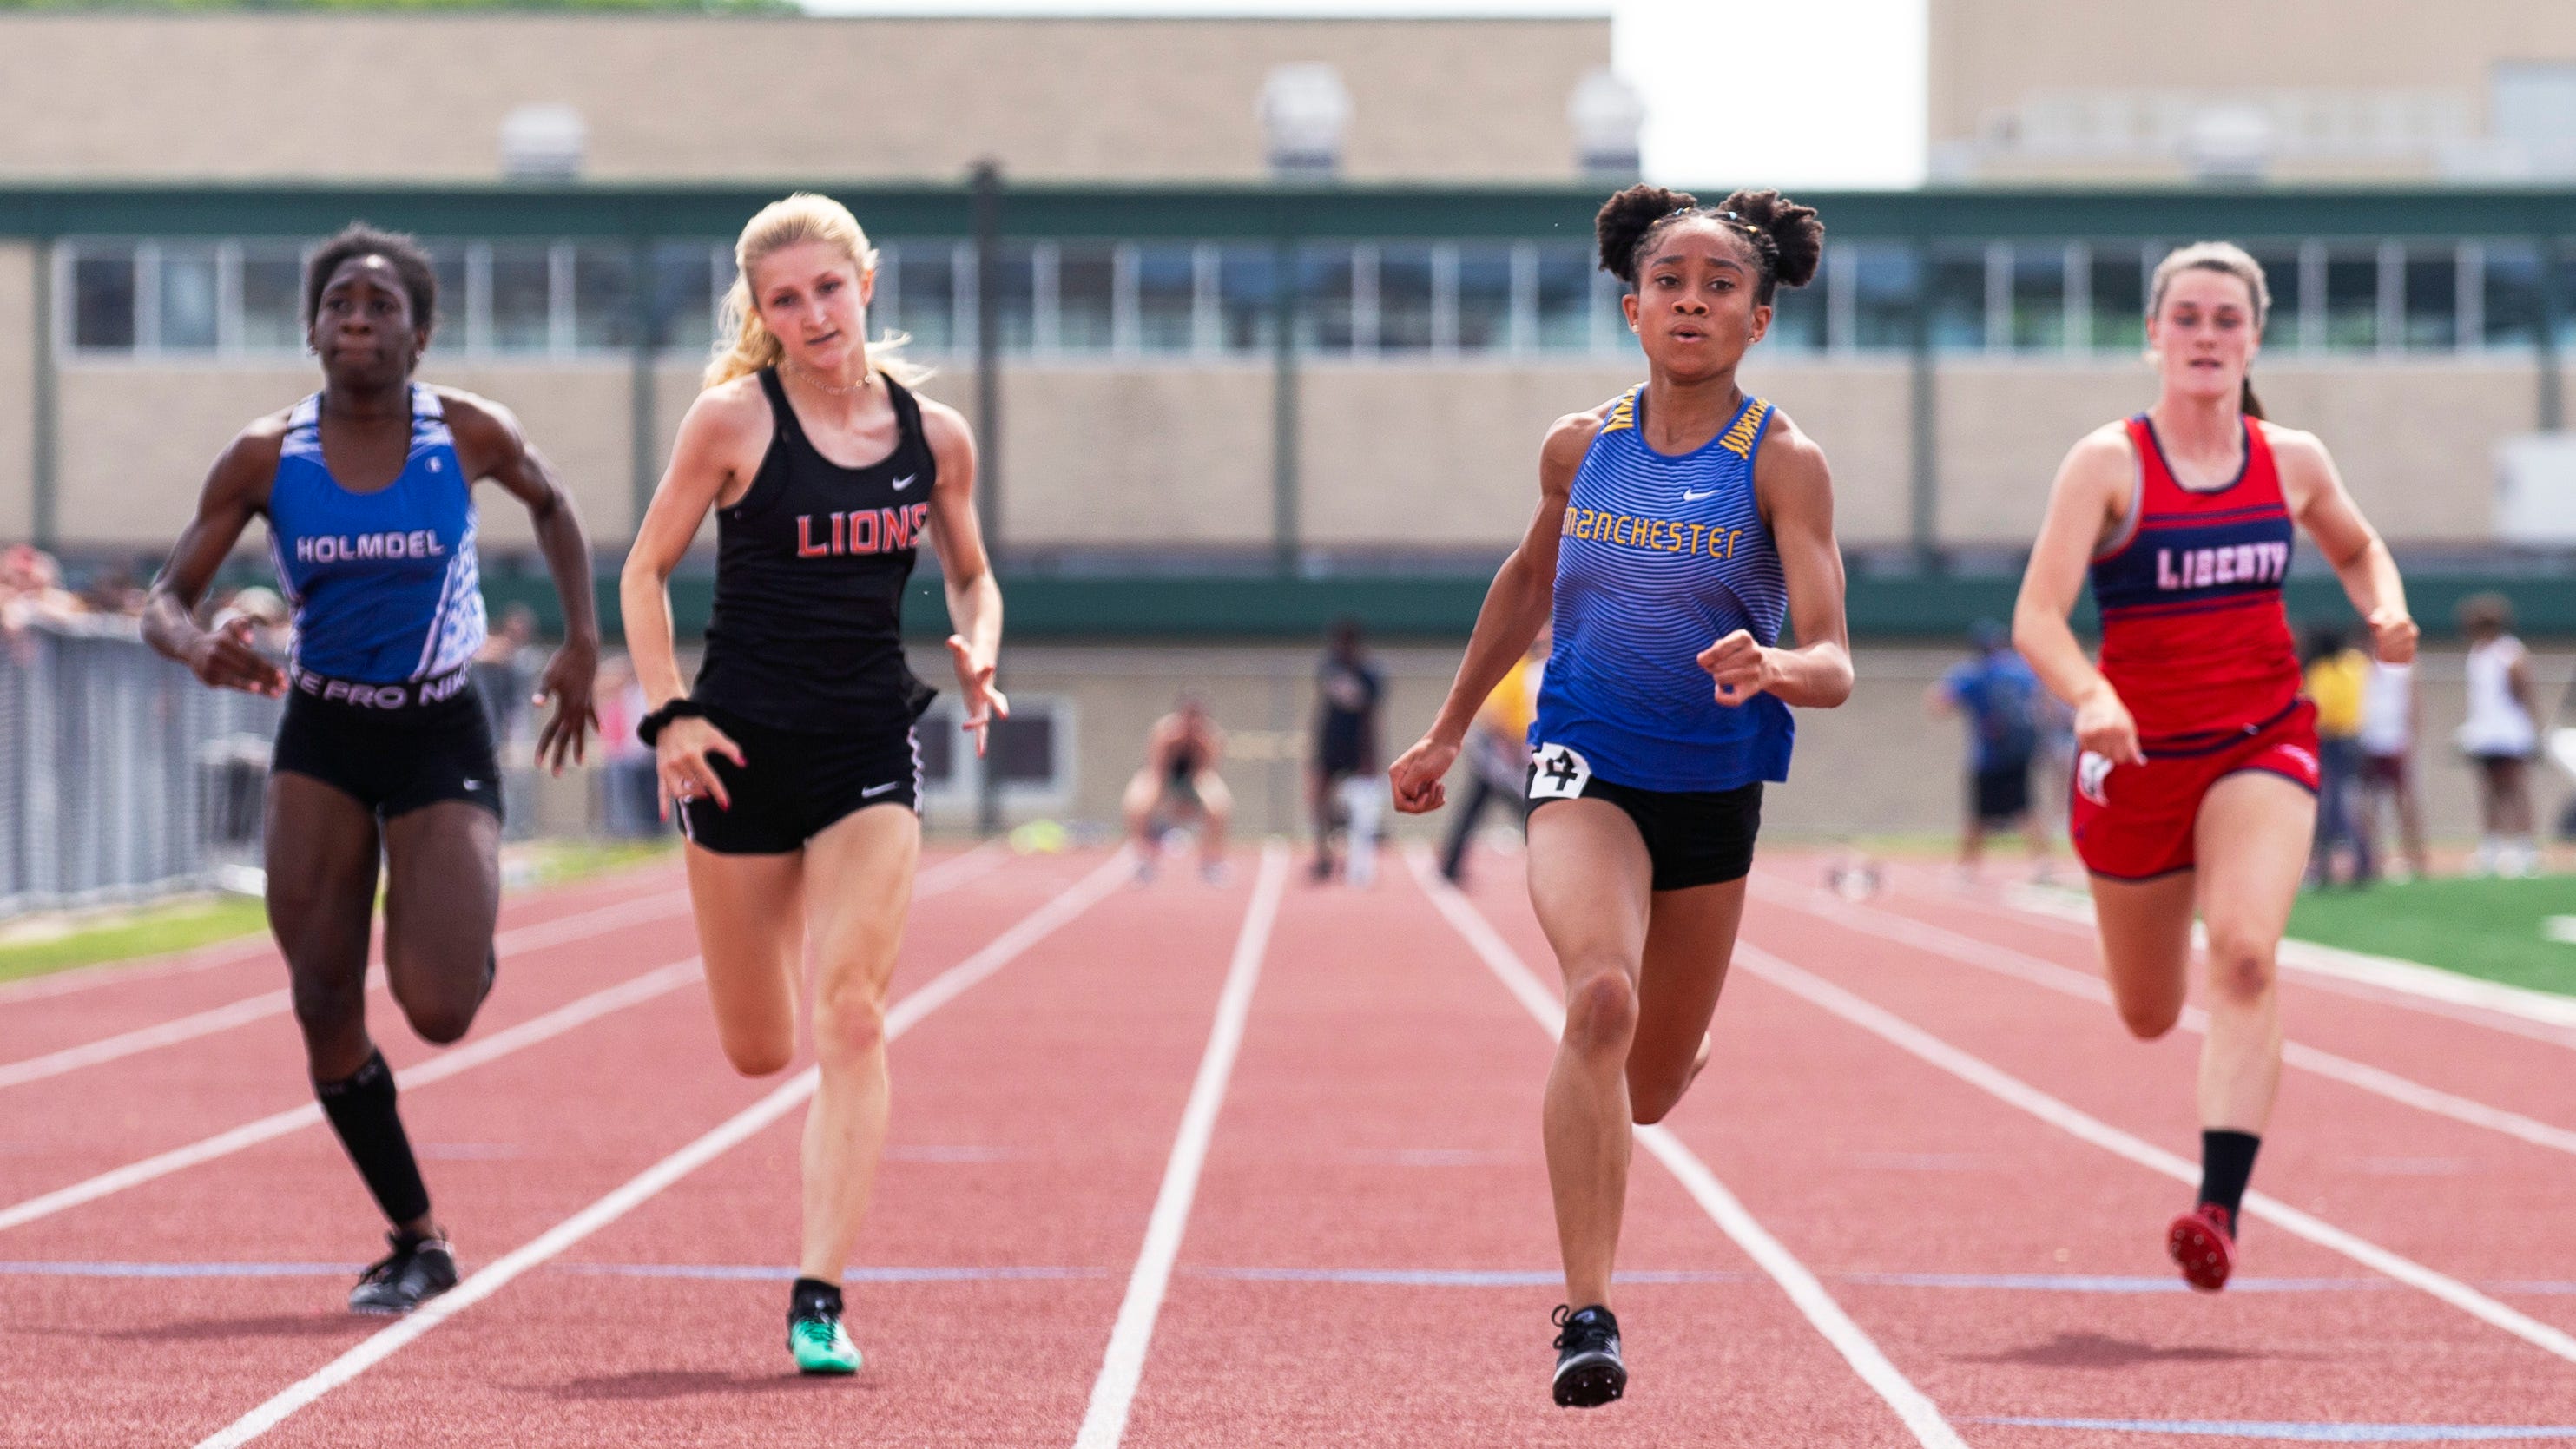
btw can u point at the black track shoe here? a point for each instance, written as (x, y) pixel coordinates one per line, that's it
(417, 1270)
(1588, 1370)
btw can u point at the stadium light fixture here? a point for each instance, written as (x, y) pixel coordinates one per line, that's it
(1607, 114)
(543, 142)
(1305, 112)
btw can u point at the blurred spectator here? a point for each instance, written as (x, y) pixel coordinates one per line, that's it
(1498, 756)
(1996, 693)
(1179, 783)
(630, 789)
(1344, 789)
(2499, 736)
(272, 622)
(2391, 716)
(2336, 677)
(31, 588)
(112, 590)
(507, 671)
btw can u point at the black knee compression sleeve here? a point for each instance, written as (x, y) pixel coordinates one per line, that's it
(361, 1110)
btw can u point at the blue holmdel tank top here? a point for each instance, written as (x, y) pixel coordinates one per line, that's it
(1659, 557)
(384, 584)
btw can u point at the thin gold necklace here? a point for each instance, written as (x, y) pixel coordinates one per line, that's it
(835, 389)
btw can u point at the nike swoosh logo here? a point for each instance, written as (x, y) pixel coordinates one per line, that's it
(1689, 496)
(904, 482)
(873, 791)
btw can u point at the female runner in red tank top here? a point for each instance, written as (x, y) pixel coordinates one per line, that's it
(2196, 782)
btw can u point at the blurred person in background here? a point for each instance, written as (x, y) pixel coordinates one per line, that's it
(2499, 736)
(31, 589)
(792, 761)
(383, 764)
(112, 590)
(1997, 696)
(1498, 756)
(1343, 789)
(2392, 716)
(630, 789)
(2196, 785)
(506, 670)
(2335, 679)
(1179, 785)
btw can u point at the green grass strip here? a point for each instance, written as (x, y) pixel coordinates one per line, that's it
(2486, 928)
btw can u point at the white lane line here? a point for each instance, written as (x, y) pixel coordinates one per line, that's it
(2049, 975)
(947, 875)
(557, 932)
(1979, 1073)
(226, 953)
(2411, 981)
(1122, 1367)
(905, 1014)
(250, 1134)
(1913, 1407)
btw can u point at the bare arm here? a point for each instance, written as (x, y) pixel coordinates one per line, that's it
(491, 445)
(966, 572)
(2085, 504)
(2318, 500)
(236, 490)
(1516, 605)
(702, 466)
(1796, 492)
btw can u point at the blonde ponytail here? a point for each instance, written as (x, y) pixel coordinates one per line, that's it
(744, 344)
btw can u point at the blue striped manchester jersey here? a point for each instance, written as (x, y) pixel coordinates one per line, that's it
(384, 584)
(1660, 557)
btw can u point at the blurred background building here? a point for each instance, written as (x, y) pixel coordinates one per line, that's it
(1284, 306)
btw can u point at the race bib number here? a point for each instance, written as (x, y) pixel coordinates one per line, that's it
(1560, 774)
(2093, 777)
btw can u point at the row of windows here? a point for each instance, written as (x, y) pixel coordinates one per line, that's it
(1135, 299)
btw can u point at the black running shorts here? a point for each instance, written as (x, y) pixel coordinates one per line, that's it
(792, 785)
(391, 758)
(2000, 792)
(1693, 837)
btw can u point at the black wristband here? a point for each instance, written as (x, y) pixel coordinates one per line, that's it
(650, 726)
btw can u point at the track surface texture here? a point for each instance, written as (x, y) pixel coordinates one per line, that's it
(1258, 1163)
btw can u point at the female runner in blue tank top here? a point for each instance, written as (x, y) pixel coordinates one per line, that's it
(1677, 525)
(367, 487)
(792, 762)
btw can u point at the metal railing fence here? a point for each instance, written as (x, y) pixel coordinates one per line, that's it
(120, 775)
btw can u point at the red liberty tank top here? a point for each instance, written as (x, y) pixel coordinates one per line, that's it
(2194, 635)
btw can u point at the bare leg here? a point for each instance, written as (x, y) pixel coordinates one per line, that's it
(1589, 879)
(1690, 941)
(2145, 929)
(442, 901)
(1144, 792)
(2410, 825)
(2252, 839)
(751, 931)
(861, 869)
(1216, 811)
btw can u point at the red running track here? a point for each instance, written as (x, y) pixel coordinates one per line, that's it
(1367, 1256)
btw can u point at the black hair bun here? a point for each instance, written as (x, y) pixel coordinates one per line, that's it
(1797, 237)
(1625, 219)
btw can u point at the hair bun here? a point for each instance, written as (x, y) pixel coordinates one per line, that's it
(1625, 219)
(1797, 237)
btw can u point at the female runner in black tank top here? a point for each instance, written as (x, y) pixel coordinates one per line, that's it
(793, 764)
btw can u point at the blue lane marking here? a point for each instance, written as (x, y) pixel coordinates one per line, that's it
(1448, 1277)
(2307, 1433)
(2108, 1283)
(182, 1270)
(855, 1275)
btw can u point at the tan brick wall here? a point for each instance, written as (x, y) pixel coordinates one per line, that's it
(2415, 440)
(236, 96)
(18, 262)
(136, 441)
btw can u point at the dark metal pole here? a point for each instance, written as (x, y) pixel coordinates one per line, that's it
(2552, 413)
(988, 420)
(1283, 410)
(1926, 477)
(648, 316)
(41, 459)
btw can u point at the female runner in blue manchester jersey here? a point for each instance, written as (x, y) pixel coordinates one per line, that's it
(383, 753)
(1677, 525)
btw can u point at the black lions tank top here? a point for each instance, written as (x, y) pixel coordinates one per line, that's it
(810, 572)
